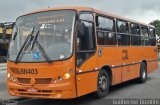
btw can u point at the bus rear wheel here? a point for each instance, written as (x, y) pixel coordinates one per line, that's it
(102, 84)
(143, 73)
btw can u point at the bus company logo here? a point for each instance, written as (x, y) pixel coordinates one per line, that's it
(24, 71)
(99, 53)
(32, 81)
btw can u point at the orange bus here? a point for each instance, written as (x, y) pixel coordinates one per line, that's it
(64, 53)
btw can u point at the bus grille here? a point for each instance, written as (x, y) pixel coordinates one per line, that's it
(39, 92)
(24, 80)
(43, 80)
(37, 80)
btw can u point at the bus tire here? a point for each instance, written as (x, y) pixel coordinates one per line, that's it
(143, 73)
(102, 84)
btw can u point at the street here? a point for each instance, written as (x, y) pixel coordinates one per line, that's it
(128, 90)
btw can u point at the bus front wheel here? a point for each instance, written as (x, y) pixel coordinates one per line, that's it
(102, 84)
(143, 73)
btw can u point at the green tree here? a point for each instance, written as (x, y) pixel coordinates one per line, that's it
(156, 23)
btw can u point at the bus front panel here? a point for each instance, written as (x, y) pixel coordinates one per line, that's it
(41, 61)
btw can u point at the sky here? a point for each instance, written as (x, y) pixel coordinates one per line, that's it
(140, 10)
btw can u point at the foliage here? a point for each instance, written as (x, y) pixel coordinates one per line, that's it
(156, 23)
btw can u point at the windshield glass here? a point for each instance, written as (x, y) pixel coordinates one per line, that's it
(55, 36)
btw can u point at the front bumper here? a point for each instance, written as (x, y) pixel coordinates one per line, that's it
(50, 91)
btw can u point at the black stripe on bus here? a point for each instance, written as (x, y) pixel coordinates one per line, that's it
(125, 65)
(87, 71)
(152, 60)
(115, 67)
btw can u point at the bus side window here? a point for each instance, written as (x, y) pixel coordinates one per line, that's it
(106, 34)
(123, 33)
(135, 34)
(85, 38)
(152, 37)
(145, 36)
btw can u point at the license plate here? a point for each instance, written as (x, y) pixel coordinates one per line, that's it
(32, 90)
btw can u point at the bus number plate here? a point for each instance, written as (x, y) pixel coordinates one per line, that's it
(32, 90)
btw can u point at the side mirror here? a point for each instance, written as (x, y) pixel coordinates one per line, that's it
(4, 33)
(15, 32)
(15, 35)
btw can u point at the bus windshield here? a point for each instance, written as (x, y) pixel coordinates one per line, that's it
(55, 36)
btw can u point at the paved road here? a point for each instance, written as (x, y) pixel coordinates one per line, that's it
(129, 90)
(3, 89)
(2, 66)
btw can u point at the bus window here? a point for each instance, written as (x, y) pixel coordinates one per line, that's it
(86, 17)
(105, 31)
(85, 38)
(53, 31)
(123, 35)
(135, 34)
(152, 37)
(145, 36)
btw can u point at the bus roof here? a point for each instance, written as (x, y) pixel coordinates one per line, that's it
(92, 10)
(8, 24)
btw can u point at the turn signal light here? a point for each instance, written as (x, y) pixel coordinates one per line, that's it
(67, 76)
(61, 78)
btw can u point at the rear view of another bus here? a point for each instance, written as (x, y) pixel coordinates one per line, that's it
(5, 34)
(2, 44)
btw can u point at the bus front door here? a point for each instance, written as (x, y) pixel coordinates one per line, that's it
(86, 58)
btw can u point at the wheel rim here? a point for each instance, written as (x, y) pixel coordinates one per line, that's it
(144, 74)
(103, 83)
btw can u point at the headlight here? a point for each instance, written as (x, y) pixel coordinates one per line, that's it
(11, 78)
(60, 78)
(8, 75)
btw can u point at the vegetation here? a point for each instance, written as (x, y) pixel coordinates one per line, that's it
(156, 23)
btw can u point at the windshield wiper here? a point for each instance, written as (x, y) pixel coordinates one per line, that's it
(27, 43)
(35, 41)
(16, 32)
(43, 52)
(25, 46)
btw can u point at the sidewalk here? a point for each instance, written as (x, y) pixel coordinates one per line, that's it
(3, 66)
